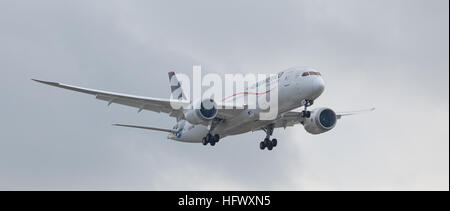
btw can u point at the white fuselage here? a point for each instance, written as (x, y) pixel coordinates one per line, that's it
(292, 89)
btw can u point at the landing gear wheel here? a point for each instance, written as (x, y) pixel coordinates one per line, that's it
(262, 146)
(274, 142)
(270, 144)
(267, 142)
(216, 138)
(211, 139)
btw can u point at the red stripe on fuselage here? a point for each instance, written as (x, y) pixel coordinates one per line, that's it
(246, 93)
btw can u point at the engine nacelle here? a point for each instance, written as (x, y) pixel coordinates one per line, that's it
(321, 121)
(202, 112)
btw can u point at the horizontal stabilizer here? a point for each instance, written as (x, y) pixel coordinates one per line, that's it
(147, 128)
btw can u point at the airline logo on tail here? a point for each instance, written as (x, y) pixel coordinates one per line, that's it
(175, 87)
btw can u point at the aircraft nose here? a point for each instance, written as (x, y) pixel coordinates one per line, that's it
(317, 88)
(320, 85)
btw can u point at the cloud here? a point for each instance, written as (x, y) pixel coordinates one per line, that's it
(389, 54)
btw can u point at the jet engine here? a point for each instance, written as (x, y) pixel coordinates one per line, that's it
(202, 112)
(320, 121)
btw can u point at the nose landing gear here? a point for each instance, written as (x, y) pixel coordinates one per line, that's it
(305, 112)
(267, 143)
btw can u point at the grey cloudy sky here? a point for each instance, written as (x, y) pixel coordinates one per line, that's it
(390, 54)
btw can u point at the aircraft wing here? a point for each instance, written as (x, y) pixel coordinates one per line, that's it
(146, 103)
(292, 118)
(349, 113)
(228, 111)
(141, 103)
(288, 119)
(147, 128)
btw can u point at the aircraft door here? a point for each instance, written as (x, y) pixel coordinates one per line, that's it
(288, 78)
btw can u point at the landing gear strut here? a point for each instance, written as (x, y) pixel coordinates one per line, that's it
(305, 112)
(270, 144)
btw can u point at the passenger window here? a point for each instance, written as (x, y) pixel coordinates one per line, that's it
(305, 74)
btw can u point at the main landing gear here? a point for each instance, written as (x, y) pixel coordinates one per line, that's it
(270, 144)
(305, 112)
(210, 139)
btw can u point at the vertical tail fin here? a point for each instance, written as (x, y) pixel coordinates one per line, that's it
(175, 87)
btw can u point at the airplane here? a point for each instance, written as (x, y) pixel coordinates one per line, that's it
(297, 87)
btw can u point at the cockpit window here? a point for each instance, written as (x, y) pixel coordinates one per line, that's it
(310, 73)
